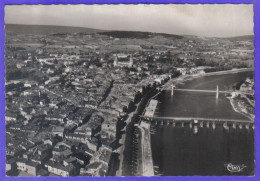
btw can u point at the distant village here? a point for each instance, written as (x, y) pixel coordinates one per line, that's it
(68, 96)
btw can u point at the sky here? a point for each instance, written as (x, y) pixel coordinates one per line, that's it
(209, 20)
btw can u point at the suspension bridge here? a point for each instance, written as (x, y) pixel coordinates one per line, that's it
(217, 91)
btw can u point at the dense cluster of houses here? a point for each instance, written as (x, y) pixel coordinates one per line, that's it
(68, 124)
(64, 103)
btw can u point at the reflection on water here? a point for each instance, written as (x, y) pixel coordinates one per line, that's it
(196, 104)
(206, 153)
(178, 151)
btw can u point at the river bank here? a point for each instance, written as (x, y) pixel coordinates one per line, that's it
(178, 152)
(181, 79)
(241, 106)
(129, 153)
(129, 158)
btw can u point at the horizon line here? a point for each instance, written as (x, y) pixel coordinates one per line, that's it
(130, 30)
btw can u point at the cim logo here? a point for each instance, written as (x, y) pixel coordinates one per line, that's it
(235, 168)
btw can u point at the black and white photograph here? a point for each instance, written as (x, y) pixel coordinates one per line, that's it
(129, 90)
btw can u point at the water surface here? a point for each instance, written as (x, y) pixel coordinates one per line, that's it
(177, 151)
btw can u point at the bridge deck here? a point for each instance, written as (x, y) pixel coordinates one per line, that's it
(197, 118)
(197, 90)
(210, 91)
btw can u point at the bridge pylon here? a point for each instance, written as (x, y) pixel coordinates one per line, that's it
(217, 93)
(172, 86)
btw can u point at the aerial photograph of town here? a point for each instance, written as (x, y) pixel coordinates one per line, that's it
(129, 90)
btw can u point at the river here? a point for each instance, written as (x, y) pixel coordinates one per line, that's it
(177, 151)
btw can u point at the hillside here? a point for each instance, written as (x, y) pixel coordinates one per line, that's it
(137, 34)
(241, 38)
(16, 29)
(13, 29)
